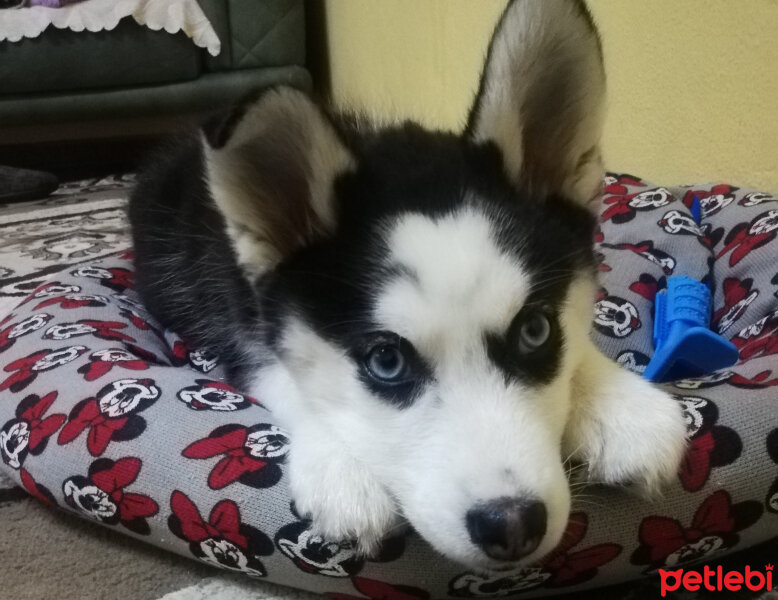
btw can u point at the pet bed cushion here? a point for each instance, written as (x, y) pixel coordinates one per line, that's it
(104, 413)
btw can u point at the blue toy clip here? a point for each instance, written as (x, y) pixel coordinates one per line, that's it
(684, 344)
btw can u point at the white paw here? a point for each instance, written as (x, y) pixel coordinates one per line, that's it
(343, 500)
(625, 429)
(641, 437)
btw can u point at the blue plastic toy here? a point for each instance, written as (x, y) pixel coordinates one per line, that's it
(684, 344)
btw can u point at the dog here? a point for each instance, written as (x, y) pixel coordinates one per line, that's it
(414, 306)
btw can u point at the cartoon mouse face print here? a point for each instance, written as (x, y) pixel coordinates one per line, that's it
(268, 442)
(314, 554)
(755, 198)
(714, 203)
(58, 357)
(692, 412)
(91, 500)
(93, 272)
(616, 317)
(67, 331)
(56, 289)
(472, 585)
(212, 396)
(124, 396)
(766, 224)
(633, 360)
(87, 298)
(29, 324)
(113, 355)
(14, 440)
(676, 222)
(652, 199)
(203, 360)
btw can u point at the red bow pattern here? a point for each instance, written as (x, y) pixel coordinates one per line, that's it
(135, 319)
(222, 540)
(36, 490)
(737, 297)
(665, 542)
(621, 207)
(112, 414)
(711, 201)
(645, 249)
(572, 568)
(30, 430)
(11, 333)
(74, 301)
(616, 183)
(53, 288)
(102, 361)
(104, 330)
(648, 286)
(25, 370)
(759, 380)
(710, 446)
(102, 496)
(759, 339)
(87, 415)
(116, 278)
(32, 409)
(251, 455)
(378, 590)
(746, 237)
(224, 521)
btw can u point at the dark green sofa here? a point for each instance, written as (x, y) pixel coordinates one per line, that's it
(133, 81)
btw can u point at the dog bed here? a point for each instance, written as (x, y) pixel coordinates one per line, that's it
(105, 414)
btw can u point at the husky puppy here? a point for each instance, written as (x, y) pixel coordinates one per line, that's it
(415, 306)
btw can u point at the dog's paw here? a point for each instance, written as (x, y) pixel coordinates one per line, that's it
(628, 431)
(343, 500)
(643, 441)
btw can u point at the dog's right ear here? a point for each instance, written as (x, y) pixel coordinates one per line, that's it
(271, 167)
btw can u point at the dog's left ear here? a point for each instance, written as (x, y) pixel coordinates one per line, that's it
(541, 98)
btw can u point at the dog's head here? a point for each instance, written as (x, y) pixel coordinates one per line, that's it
(428, 292)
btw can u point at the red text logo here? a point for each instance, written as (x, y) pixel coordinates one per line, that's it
(716, 580)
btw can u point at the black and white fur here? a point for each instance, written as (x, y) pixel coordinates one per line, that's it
(318, 255)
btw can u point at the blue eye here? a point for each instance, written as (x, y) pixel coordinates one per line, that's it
(386, 363)
(534, 332)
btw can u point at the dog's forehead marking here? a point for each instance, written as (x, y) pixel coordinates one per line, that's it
(454, 282)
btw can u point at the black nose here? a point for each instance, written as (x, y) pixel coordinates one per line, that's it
(507, 528)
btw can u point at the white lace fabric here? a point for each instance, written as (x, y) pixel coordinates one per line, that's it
(99, 15)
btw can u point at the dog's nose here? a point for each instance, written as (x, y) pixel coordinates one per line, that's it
(507, 528)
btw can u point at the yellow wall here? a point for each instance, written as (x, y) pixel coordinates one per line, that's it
(693, 84)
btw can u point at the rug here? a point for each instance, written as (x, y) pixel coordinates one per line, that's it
(49, 554)
(80, 222)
